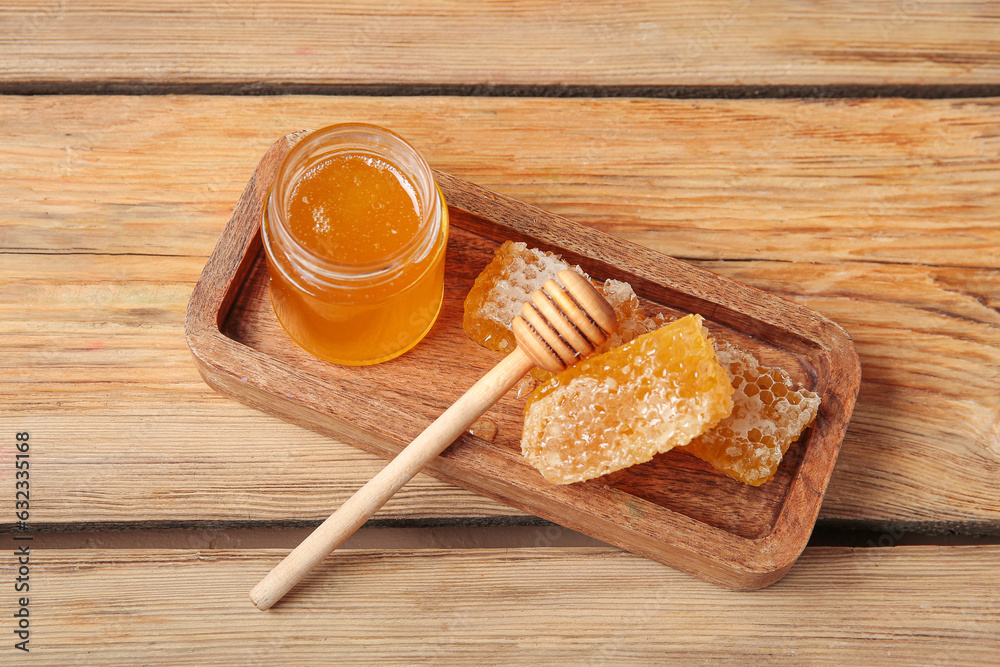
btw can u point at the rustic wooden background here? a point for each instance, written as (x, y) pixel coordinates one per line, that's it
(845, 155)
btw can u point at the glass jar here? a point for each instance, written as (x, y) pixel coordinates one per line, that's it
(355, 231)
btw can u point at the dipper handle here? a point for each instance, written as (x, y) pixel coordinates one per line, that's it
(558, 326)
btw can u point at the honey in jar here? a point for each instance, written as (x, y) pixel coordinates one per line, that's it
(355, 231)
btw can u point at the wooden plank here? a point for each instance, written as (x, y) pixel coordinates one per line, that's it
(844, 180)
(880, 214)
(96, 369)
(901, 605)
(92, 376)
(715, 43)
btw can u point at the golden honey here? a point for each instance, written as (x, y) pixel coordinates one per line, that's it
(770, 411)
(355, 231)
(623, 407)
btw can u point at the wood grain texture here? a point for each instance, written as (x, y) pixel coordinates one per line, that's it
(904, 605)
(718, 42)
(795, 180)
(880, 214)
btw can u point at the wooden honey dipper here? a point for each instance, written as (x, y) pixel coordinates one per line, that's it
(557, 327)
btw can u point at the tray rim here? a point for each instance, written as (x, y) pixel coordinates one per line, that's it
(743, 562)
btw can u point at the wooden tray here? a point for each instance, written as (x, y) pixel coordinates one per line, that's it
(675, 509)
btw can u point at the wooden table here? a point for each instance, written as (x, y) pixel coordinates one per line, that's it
(843, 155)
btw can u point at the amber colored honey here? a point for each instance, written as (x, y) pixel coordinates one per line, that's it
(770, 411)
(353, 209)
(623, 407)
(361, 214)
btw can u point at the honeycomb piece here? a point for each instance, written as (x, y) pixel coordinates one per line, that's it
(769, 412)
(503, 286)
(508, 281)
(622, 407)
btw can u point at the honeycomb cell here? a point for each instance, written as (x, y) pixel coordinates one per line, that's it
(770, 411)
(623, 407)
